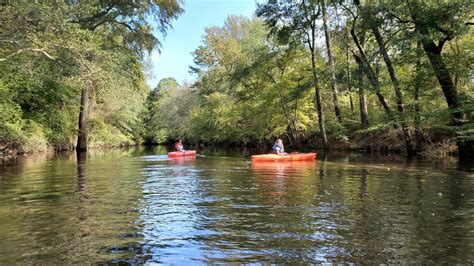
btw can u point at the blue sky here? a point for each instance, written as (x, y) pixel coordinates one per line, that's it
(186, 35)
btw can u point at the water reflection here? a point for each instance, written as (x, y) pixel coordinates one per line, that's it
(185, 160)
(139, 206)
(168, 213)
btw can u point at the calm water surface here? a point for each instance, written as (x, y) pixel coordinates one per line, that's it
(138, 206)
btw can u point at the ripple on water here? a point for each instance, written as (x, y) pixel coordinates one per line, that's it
(148, 208)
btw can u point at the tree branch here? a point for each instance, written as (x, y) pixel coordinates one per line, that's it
(98, 15)
(28, 50)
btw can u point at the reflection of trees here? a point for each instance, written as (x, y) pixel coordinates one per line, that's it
(440, 218)
(81, 174)
(269, 212)
(35, 210)
(185, 160)
(366, 243)
(81, 189)
(229, 208)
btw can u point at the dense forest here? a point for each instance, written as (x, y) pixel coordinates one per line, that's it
(319, 74)
(334, 75)
(73, 70)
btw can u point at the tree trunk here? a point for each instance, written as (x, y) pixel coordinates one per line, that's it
(465, 147)
(364, 114)
(82, 124)
(417, 119)
(331, 62)
(466, 151)
(374, 82)
(391, 70)
(364, 63)
(317, 97)
(444, 78)
(433, 51)
(349, 80)
(352, 102)
(398, 92)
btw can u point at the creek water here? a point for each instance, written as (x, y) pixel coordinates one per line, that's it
(137, 206)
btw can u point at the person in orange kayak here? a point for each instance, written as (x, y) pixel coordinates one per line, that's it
(178, 146)
(278, 147)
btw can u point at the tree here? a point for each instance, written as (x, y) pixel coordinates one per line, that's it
(251, 89)
(331, 60)
(435, 25)
(363, 61)
(128, 20)
(294, 22)
(82, 37)
(371, 20)
(96, 46)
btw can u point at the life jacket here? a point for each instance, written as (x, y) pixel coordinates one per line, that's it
(178, 146)
(278, 146)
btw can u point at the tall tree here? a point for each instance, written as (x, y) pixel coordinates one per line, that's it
(436, 24)
(327, 35)
(129, 20)
(363, 61)
(364, 114)
(374, 23)
(84, 38)
(294, 22)
(432, 23)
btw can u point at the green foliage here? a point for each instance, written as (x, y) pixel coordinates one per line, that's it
(11, 123)
(35, 139)
(50, 52)
(171, 107)
(255, 77)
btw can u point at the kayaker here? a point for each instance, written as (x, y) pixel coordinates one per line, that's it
(178, 146)
(278, 147)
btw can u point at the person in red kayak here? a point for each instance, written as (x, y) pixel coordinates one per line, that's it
(278, 147)
(178, 146)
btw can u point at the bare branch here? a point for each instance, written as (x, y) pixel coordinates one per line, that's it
(28, 50)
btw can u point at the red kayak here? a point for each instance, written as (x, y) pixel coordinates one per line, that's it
(181, 153)
(284, 158)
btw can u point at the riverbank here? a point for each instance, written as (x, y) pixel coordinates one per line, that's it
(11, 151)
(387, 143)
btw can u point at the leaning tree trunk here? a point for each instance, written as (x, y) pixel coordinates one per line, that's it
(372, 77)
(417, 119)
(444, 78)
(349, 79)
(465, 146)
(433, 51)
(398, 92)
(82, 124)
(335, 100)
(367, 69)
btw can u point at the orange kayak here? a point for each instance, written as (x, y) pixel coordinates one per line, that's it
(181, 153)
(284, 158)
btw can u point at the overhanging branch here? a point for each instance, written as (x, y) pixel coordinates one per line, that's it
(36, 50)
